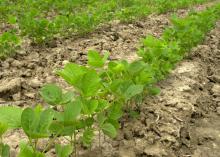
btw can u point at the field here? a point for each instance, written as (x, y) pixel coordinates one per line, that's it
(110, 78)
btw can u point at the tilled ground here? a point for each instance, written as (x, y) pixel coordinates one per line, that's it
(22, 75)
(183, 121)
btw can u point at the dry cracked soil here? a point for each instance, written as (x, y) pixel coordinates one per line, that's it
(183, 121)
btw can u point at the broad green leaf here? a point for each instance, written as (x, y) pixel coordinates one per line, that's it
(116, 67)
(27, 151)
(63, 151)
(72, 111)
(72, 73)
(145, 77)
(46, 119)
(89, 84)
(90, 106)
(3, 128)
(88, 136)
(95, 59)
(56, 127)
(4, 150)
(102, 105)
(109, 130)
(115, 123)
(115, 111)
(36, 124)
(88, 122)
(133, 90)
(136, 67)
(27, 120)
(11, 116)
(52, 94)
(101, 118)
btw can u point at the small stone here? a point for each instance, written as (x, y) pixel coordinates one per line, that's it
(31, 65)
(16, 63)
(30, 95)
(216, 78)
(50, 79)
(65, 62)
(17, 96)
(22, 52)
(155, 150)
(5, 65)
(185, 88)
(216, 90)
(35, 83)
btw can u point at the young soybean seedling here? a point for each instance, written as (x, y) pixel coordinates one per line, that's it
(35, 123)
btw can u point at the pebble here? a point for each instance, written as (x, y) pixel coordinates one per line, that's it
(35, 83)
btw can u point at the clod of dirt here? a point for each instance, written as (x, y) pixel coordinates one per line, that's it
(216, 90)
(10, 86)
(126, 153)
(155, 151)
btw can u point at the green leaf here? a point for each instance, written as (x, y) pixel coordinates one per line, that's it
(154, 90)
(133, 90)
(35, 123)
(52, 94)
(101, 118)
(116, 67)
(4, 150)
(46, 119)
(63, 151)
(102, 105)
(136, 67)
(88, 136)
(67, 97)
(146, 77)
(56, 127)
(89, 84)
(90, 106)
(12, 19)
(27, 119)
(27, 151)
(11, 116)
(115, 111)
(72, 73)
(3, 128)
(72, 111)
(95, 59)
(109, 130)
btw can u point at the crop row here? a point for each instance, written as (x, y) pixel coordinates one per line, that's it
(103, 90)
(43, 20)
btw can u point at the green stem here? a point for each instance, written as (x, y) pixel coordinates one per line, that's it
(75, 144)
(31, 144)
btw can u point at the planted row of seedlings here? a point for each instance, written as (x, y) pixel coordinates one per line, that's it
(42, 21)
(103, 90)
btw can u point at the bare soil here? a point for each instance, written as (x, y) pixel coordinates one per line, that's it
(183, 121)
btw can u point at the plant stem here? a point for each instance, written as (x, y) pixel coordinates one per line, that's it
(75, 144)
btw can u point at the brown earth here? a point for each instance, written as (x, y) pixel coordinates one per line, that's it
(183, 121)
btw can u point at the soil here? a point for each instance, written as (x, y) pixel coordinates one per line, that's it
(183, 121)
